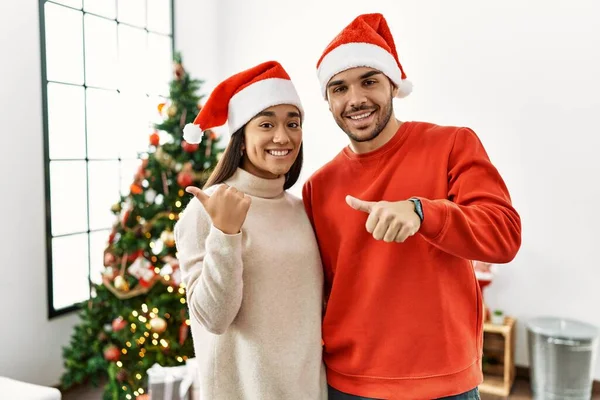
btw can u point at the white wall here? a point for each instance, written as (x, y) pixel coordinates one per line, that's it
(522, 74)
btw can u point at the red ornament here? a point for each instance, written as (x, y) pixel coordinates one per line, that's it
(118, 324)
(112, 353)
(135, 188)
(184, 179)
(189, 147)
(154, 139)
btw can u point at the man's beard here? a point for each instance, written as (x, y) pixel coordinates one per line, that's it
(387, 114)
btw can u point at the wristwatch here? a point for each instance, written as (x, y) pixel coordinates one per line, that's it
(418, 207)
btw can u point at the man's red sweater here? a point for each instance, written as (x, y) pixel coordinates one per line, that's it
(404, 320)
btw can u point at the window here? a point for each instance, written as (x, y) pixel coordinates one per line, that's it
(105, 66)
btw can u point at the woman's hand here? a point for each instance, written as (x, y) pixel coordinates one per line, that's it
(227, 207)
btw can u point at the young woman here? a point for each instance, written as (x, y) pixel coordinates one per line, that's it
(250, 261)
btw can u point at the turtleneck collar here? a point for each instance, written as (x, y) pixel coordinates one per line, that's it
(255, 186)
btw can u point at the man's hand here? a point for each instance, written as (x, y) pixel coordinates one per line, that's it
(227, 207)
(388, 221)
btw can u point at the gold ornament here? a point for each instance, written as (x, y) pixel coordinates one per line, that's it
(158, 325)
(121, 284)
(172, 111)
(116, 207)
(168, 238)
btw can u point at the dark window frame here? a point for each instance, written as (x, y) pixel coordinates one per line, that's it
(52, 311)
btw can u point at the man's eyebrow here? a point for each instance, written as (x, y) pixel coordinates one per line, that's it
(294, 114)
(363, 76)
(335, 83)
(266, 114)
(369, 74)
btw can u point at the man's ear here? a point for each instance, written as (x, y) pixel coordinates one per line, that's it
(394, 89)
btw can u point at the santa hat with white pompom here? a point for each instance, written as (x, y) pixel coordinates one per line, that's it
(236, 100)
(365, 42)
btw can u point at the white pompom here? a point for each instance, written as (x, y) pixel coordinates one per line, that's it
(192, 133)
(404, 88)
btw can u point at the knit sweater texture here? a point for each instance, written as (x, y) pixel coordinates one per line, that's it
(255, 298)
(404, 320)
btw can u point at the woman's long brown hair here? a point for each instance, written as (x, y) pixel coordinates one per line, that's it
(232, 160)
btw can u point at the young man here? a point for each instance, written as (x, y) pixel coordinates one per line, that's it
(398, 215)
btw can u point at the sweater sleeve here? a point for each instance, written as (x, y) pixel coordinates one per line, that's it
(477, 221)
(211, 266)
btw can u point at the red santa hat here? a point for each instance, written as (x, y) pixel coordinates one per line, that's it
(239, 98)
(365, 42)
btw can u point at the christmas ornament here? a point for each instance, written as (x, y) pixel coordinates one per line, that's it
(178, 70)
(142, 270)
(118, 324)
(189, 147)
(135, 188)
(184, 179)
(168, 238)
(158, 325)
(154, 139)
(122, 376)
(121, 283)
(150, 195)
(112, 353)
(157, 247)
(116, 207)
(172, 111)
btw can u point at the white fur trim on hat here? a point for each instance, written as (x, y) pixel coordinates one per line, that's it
(265, 93)
(192, 133)
(352, 55)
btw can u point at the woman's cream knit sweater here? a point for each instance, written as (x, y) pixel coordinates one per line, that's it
(255, 298)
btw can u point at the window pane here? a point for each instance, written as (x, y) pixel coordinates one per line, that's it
(159, 16)
(132, 12)
(134, 126)
(71, 3)
(98, 242)
(128, 170)
(160, 60)
(104, 192)
(100, 52)
(70, 270)
(66, 122)
(68, 194)
(64, 44)
(132, 58)
(103, 122)
(101, 7)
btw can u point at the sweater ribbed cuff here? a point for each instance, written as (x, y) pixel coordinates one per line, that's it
(222, 244)
(435, 215)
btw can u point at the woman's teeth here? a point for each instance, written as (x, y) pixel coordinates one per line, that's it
(278, 153)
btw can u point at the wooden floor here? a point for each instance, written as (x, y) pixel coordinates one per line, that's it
(520, 391)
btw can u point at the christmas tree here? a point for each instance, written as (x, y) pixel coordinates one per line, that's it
(137, 315)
